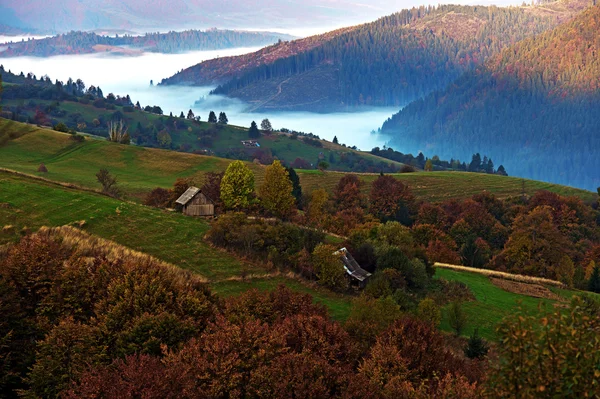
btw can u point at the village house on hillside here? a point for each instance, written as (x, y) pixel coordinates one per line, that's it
(194, 203)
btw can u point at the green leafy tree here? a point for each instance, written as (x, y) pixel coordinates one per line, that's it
(276, 191)
(61, 127)
(253, 132)
(164, 139)
(457, 318)
(237, 186)
(212, 117)
(266, 126)
(323, 165)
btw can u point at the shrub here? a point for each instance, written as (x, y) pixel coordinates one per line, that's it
(457, 317)
(429, 312)
(61, 127)
(159, 198)
(42, 168)
(477, 347)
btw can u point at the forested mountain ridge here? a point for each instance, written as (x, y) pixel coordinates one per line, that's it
(225, 68)
(389, 62)
(171, 42)
(534, 107)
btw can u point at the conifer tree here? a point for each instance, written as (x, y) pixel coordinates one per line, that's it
(223, 118)
(476, 347)
(594, 281)
(253, 132)
(212, 117)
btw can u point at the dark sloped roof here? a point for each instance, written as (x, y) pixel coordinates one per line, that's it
(351, 265)
(187, 196)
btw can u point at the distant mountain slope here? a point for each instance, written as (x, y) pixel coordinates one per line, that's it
(389, 62)
(172, 42)
(65, 15)
(535, 108)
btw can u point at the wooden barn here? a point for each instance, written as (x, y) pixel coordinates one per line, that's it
(194, 203)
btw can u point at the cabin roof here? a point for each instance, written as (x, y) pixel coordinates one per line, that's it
(187, 196)
(351, 266)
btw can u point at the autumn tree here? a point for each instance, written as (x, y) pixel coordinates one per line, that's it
(237, 186)
(253, 132)
(317, 207)
(212, 117)
(428, 165)
(328, 267)
(549, 355)
(212, 188)
(276, 191)
(347, 193)
(536, 245)
(390, 199)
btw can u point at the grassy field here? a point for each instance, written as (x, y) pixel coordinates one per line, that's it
(141, 169)
(492, 304)
(441, 186)
(172, 237)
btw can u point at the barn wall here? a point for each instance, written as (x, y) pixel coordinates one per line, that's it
(199, 210)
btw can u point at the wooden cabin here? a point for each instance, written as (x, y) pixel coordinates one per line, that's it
(353, 270)
(194, 203)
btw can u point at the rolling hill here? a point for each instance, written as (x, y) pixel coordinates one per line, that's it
(29, 202)
(534, 106)
(24, 147)
(389, 62)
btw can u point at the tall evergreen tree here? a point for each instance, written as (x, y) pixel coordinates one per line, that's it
(190, 114)
(594, 281)
(296, 187)
(212, 117)
(253, 132)
(223, 118)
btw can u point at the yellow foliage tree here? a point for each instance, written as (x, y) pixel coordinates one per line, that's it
(237, 186)
(328, 267)
(316, 211)
(276, 191)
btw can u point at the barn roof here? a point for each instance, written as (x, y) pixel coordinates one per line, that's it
(187, 196)
(351, 266)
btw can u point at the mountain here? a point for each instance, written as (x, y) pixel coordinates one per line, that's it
(171, 42)
(65, 15)
(534, 108)
(389, 62)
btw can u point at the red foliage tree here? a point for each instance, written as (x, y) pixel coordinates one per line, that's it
(390, 199)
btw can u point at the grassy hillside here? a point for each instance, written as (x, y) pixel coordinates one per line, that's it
(29, 203)
(140, 169)
(492, 303)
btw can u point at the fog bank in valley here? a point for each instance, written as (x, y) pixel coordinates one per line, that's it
(124, 75)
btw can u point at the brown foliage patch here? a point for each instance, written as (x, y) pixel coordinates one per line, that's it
(534, 290)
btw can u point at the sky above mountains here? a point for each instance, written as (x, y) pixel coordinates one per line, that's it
(296, 16)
